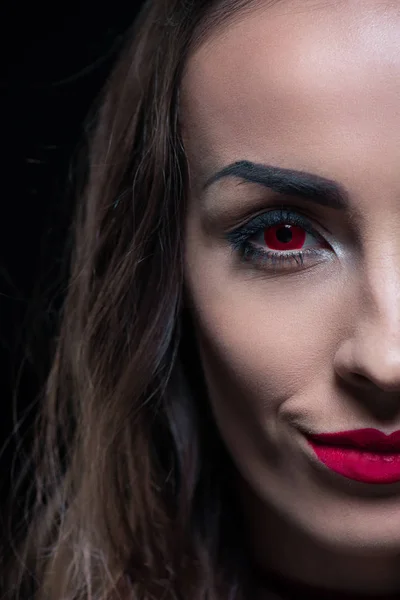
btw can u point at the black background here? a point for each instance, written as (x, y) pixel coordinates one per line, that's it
(54, 61)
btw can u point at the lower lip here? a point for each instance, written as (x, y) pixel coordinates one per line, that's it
(368, 467)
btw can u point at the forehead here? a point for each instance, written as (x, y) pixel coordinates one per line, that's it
(300, 84)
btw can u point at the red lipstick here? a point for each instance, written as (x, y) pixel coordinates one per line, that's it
(366, 455)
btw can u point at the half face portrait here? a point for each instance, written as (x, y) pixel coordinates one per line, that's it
(291, 120)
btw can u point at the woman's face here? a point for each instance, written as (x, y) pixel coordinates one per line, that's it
(294, 343)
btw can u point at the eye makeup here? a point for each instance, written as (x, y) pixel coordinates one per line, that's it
(279, 240)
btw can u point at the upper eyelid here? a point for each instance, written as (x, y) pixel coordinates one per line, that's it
(302, 219)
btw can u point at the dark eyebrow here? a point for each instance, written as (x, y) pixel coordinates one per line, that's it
(308, 186)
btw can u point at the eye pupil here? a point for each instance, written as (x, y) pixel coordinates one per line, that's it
(284, 234)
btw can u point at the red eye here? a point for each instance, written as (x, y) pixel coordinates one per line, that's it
(285, 237)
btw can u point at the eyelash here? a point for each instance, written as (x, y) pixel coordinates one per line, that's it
(240, 239)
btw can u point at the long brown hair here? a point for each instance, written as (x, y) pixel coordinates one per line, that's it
(130, 478)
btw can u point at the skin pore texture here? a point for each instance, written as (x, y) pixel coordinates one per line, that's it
(315, 87)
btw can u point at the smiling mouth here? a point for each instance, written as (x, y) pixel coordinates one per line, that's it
(372, 463)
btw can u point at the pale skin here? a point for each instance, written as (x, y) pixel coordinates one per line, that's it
(311, 86)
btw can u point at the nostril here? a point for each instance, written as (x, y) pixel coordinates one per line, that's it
(360, 379)
(387, 386)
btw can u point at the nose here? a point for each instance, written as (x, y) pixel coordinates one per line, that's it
(371, 360)
(370, 357)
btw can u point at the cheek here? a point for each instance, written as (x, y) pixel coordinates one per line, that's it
(266, 345)
(262, 338)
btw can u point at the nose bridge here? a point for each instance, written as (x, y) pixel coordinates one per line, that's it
(380, 283)
(372, 351)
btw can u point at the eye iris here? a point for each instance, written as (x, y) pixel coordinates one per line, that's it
(285, 237)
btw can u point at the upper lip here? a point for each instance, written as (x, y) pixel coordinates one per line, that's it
(367, 439)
